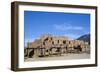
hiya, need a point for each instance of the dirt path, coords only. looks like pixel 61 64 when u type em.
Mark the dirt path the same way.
pixel 63 57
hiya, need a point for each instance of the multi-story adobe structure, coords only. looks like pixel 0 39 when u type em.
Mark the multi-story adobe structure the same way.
pixel 49 45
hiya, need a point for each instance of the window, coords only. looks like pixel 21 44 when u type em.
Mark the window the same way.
pixel 69 42
pixel 58 41
pixel 43 43
pixel 64 42
pixel 53 42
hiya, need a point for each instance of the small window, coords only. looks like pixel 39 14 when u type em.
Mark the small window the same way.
pixel 58 41
pixel 53 43
pixel 51 38
pixel 43 43
pixel 69 42
pixel 46 39
pixel 64 42
pixel 47 51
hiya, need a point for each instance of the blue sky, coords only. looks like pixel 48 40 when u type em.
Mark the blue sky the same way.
pixel 72 25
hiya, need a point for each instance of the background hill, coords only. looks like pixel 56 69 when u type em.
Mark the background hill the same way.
pixel 85 38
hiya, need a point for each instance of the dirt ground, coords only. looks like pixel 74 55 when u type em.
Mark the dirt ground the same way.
pixel 62 57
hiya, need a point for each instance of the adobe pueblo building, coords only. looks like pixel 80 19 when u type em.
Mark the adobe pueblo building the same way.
pixel 49 45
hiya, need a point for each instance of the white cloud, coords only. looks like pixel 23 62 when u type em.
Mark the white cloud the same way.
pixel 64 27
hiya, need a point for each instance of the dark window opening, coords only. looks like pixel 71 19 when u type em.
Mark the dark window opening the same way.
pixel 58 41
pixel 51 38
pixel 47 51
pixel 69 42
pixel 53 43
pixel 43 43
pixel 46 39
pixel 64 42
